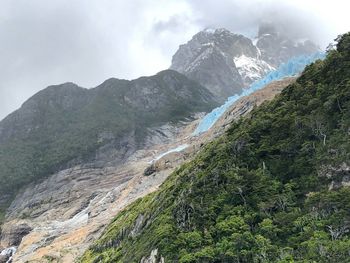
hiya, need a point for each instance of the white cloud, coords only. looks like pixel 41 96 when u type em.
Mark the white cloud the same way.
pixel 87 41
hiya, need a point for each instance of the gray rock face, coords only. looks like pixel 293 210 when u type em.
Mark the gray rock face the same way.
pixel 65 125
pixel 340 174
pixel 208 59
pixel 79 184
pixel 76 203
pixel 226 63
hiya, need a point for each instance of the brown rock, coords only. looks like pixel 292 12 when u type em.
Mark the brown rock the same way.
pixel 12 236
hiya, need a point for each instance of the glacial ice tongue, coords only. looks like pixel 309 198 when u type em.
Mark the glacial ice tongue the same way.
pixel 291 68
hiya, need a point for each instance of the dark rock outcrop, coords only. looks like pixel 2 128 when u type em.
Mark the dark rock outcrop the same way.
pixel 13 235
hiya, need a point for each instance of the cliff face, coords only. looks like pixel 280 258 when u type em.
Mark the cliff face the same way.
pixel 226 63
pixel 65 125
pixel 208 59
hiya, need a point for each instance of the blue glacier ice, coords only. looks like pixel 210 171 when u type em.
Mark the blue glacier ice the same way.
pixel 291 68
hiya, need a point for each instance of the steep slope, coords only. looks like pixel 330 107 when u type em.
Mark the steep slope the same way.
pixel 83 200
pixel 66 125
pixel 58 216
pixel 274 188
pixel 226 63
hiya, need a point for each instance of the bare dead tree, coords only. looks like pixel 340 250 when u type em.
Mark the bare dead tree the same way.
pixel 240 192
pixel 337 233
pixel 320 130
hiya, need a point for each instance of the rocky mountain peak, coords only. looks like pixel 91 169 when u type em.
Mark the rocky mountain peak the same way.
pixel 209 41
pixel 55 92
pixel 209 58
pixel 226 63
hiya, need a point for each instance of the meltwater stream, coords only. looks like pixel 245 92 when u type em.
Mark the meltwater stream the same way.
pixel 177 149
pixel 291 68
pixel 8 253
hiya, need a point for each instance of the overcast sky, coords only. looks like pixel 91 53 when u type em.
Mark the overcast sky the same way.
pixel 87 41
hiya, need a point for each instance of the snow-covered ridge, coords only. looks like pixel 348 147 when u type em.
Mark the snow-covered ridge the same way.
pixel 293 67
pixel 251 69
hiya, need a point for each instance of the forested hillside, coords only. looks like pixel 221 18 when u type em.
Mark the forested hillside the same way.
pixel 274 188
pixel 64 125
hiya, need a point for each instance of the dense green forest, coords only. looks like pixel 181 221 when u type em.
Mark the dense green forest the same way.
pixel 272 189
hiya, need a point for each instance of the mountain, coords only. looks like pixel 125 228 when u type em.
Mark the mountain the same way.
pixel 73 158
pixel 273 188
pixel 66 125
pixel 226 63
pixel 60 216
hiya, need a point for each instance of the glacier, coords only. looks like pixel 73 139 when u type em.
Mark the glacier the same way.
pixel 292 67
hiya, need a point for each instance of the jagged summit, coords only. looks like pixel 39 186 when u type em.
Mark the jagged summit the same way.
pixel 208 59
pixel 226 63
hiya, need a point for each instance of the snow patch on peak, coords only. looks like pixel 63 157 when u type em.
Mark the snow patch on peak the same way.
pixel 209 30
pixel 209 44
pixel 251 69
